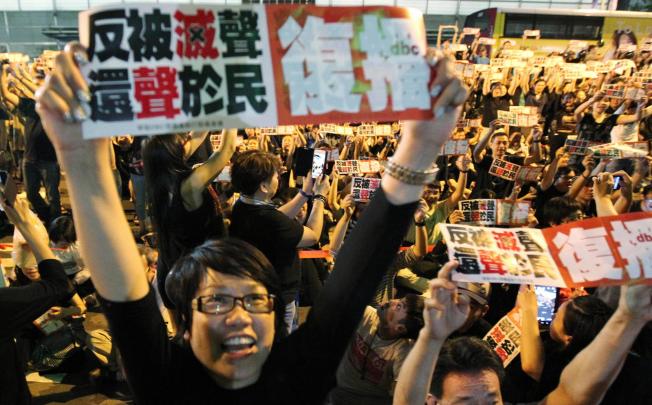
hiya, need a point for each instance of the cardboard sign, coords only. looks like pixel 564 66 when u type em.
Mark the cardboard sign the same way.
pixel 490 212
pixel 280 130
pixel 532 33
pixel 520 116
pixel 161 68
pixel 505 337
pixel 598 251
pixel 456 147
pixel 357 166
pixel 363 188
pixel 621 150
pixel 335 129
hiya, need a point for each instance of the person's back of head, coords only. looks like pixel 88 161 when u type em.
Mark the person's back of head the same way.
pixel 466 368
pixel 559 210
pixel 62 229
pixel 584 318
pixel 252 168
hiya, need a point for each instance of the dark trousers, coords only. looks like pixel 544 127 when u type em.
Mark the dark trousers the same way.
pixel 47 173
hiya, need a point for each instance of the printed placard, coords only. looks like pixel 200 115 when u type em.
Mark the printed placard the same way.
pixel 161 68
pixel 216 141
pixel 642 78
pixel 336 129
pixel 363 188
pixel 621 150
pixel 490 212
pixel 597 66
pixel 374 130
pixel 505 337
pixel 478 211
pixel 504 169
pixel 532 33
pixel 487 41
pixel 470 31
pixel 613 91
pixel 456 147
pixel 469 123
pixel 501 255
pixel 598 251
pixel 577 146
pixel 357 166
pixel 529 173
pixel 517 54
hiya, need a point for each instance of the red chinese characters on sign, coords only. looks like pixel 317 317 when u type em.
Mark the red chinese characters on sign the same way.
pixel 492 262
pixel 197 34
pixel 156 90
pixel 506 241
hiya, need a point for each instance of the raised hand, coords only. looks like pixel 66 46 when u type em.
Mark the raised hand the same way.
pixel 421 212
pixel 445 311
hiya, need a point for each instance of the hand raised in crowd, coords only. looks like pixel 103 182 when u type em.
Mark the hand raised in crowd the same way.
pixel 496 124
pixel 532 221
pixel 348 204
pixel 450 93
pixel 463 162
pixel 308 184
pixel 588 162
pixel 527 299
pixel 562 157
pixel 322 185
pixel 603 185
pixel 24 219
pixel 446 310
pixel 421 211
pixel 63 101
pixel 636 302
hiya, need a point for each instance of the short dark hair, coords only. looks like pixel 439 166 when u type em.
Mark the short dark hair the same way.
pixel 559 208
pixel 498 133
pixel 251 168
pixel 227 256
pixel 584 319
pixel 464 355
pixel 62 229
pixel 414 320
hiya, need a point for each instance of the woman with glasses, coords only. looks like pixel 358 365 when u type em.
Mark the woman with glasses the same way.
pixel 229 352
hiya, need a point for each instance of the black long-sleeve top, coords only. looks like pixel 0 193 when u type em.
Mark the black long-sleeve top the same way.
pixel 301 367
pixel 19 306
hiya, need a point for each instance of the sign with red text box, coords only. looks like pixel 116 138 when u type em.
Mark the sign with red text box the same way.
pixel 161 68
pixel 505 337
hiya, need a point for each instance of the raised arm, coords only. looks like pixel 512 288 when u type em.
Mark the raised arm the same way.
pixel 444 312
pixel 534 155
pixel 462 163
pixel 532 355
pixel 371 247
pixel 549 174
pixel 589 163
pixel 481 147
pixel 9 97
pixel 348 205
pixel 99 219
pixel 579 111
pixel 602 187
pixel 192 188
pixel 313 228
pixel 581 381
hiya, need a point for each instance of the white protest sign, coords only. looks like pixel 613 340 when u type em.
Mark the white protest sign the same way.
pixel 161 68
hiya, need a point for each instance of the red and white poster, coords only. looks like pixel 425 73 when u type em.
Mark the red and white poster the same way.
pixel 505 337
pixel 593 252
pixel 161 68
pixel 363 188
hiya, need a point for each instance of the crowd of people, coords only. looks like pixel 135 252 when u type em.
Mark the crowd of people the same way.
pixel 230 246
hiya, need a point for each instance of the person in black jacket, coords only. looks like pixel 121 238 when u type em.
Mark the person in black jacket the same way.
pixel 20 306
pixel 229 351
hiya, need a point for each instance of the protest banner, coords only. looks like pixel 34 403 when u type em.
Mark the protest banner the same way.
pixel 456 147
pixel 529 173
pixel 597 66
pixel 469 123
pixel 486 41
pixel 613 91
pixel 517 54
pixel 335 129
pixel 504 169
pixel 491 212
pixel 161 68
pixel 621 150
pixel 280 130
pixel 519 116
pixel 363 188
pixel 357 166
pixel 373 130
pixel 577 146
pixel 216 141
pixel 532 34
pixel 505 337
pixel 598 251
